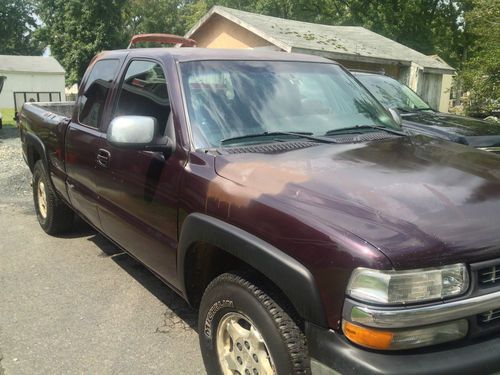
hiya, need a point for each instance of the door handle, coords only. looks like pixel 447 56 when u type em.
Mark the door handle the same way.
pixel 103 157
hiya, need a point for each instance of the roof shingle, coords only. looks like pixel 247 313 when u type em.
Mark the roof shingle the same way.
pixel 341 41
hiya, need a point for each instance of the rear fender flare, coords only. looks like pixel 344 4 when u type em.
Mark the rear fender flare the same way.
pixel 36 144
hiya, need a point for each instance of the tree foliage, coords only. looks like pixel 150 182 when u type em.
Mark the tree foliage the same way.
pixel 481 71
pixel 428 26
pixel 78 29
pixel 153 16
pixel 17 24
pixel 465 33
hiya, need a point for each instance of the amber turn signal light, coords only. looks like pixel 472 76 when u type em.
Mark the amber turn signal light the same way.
pixel 367 337
pixel 409 338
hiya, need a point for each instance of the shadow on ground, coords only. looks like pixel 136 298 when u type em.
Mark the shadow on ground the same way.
pixel 8 132
pixel 175 304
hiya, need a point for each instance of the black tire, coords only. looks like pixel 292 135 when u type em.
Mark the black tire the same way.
pixel 58 218
pixel 281 330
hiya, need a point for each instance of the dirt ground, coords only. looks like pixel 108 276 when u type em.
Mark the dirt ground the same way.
pixel 77 304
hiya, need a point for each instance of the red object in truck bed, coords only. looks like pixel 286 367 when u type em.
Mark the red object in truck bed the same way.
pixel 162 38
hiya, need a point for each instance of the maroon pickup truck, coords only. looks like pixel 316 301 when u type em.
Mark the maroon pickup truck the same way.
pixel 273 192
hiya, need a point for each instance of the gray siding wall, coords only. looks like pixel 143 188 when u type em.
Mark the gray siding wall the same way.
pixel 29 82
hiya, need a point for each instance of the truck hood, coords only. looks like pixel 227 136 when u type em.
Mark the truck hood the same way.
pixel 466 130
pixel 421 201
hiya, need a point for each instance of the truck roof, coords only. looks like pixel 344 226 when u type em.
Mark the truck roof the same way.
pixel 193 54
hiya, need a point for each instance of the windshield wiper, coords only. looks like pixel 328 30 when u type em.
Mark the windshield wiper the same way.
pixel 360 127
pixel 306 135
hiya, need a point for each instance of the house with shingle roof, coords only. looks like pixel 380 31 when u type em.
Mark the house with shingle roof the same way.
pixel 30 78
pixel 353 46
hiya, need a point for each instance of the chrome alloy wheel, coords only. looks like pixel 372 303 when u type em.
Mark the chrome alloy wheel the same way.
pixel 42 199
pixel 241 348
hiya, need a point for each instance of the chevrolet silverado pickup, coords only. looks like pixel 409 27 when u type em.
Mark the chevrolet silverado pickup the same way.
pixel 273 192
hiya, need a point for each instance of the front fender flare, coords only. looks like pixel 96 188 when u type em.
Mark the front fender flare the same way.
pixel 293 278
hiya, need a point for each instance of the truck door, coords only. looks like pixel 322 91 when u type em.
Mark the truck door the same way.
pixel 85 140
pixel 138 192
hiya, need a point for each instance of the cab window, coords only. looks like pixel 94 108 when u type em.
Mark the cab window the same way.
pixel 91 102
pixel 144 92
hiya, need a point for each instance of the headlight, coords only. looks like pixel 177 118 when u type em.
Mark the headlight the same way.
pixel 400 287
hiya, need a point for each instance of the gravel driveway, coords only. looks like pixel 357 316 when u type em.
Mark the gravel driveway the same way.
pixel 77 304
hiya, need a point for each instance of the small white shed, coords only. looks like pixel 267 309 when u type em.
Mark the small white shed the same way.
pixel 30 78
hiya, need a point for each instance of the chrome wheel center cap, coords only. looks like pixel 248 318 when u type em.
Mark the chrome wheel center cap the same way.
pixel 241 348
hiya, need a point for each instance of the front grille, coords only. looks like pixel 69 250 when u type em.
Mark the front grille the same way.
pixel 489 276
pixel 487 280
pixel 489 316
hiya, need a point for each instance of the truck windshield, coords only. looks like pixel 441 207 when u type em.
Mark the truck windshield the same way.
pixel 391 93
pixel 228 99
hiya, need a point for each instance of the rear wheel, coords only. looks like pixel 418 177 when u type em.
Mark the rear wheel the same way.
pixel 245 331
pixel 52 213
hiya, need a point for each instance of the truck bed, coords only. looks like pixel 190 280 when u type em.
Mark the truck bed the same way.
pixel 52 112
pixel 43 126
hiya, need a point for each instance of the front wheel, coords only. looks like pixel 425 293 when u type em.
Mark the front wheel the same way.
pixel 52 213
pixel 245 331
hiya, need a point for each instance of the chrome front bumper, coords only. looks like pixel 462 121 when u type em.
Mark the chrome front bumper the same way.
pixel 405 317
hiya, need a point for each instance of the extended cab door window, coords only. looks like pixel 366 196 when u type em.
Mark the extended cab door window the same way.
pixel 85 141
pixel 91 102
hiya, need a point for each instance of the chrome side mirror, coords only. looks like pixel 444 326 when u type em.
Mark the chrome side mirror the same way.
pixel 138 133
pixel 132 131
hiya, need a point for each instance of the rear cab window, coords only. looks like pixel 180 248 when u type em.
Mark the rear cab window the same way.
pixel 95 92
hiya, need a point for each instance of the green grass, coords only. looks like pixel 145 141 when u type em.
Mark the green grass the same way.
pixel 8 116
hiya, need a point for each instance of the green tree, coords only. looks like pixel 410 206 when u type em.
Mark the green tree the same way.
pixel 78 29
pixel 428 26
pixel 319 11
pixel 481 72
pixel 17 24
pixel 153 16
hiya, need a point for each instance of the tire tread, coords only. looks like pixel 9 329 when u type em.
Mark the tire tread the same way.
pixel 289 325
